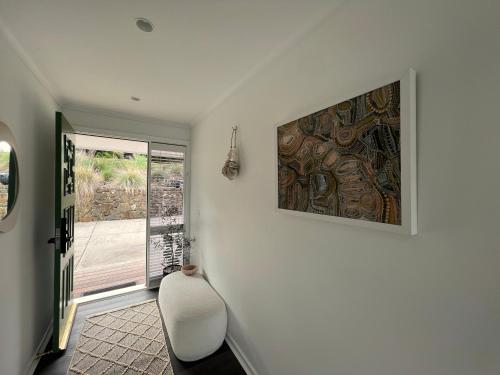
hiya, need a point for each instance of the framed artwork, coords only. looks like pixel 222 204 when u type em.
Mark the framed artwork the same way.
pixel 353 162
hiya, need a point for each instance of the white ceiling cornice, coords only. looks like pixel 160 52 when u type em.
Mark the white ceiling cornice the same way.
pixel 126 116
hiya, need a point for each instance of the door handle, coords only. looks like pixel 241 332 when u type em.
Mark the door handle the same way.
pixel 61 236
pixel 64 237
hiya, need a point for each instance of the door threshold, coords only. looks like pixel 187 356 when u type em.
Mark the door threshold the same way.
pixel 108 294
pixel 64 337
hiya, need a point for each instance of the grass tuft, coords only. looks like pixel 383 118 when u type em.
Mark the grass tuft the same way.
pixel 93 169
pixel 132 179
pixel 87 179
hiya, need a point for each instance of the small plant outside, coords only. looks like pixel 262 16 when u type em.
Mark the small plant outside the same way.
pixel 173 243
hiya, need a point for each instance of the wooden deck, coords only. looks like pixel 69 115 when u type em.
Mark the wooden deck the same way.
pixel 108 278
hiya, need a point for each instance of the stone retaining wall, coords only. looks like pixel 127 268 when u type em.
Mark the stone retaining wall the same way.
pixel 114 203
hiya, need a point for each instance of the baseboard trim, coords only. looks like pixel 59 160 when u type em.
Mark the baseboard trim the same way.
pixel 240 356
pixel 31 367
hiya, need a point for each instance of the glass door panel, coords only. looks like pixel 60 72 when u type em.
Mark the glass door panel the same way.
pixel 166 210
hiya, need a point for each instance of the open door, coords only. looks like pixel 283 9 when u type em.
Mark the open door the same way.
pixel 64 309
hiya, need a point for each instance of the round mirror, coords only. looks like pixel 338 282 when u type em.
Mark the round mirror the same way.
pixel 9 178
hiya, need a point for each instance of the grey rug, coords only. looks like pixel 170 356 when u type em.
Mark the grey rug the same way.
pixel 126 341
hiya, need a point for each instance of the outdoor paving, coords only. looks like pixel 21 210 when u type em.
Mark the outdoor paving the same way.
pixel 108 254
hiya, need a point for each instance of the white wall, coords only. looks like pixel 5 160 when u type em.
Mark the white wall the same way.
pixel 26 260
pixel 310 297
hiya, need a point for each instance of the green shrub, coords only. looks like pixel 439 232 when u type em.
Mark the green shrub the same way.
pixel 103 164
pixel 108 154
pixel 108 174
pixel 93 169
pixel 140 161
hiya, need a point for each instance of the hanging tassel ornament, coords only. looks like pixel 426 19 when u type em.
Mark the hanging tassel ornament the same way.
pixel 232 165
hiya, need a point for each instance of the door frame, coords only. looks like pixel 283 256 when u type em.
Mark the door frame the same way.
pixel 149 139
pixel 64 306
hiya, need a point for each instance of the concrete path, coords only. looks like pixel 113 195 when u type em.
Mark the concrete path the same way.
pixel 109 253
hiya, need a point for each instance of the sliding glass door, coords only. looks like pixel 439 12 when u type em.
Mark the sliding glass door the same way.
pixel 167 213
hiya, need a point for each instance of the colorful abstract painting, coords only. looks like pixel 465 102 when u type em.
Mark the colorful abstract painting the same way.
pixel 345 160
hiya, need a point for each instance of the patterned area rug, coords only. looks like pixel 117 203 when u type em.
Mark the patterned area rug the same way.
pixel 126 341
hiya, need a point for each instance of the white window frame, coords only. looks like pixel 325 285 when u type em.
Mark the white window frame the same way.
pixel 152 140
pixel 186 196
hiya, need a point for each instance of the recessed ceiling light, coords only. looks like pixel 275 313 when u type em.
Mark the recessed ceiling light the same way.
pixel 144 24
pixel 135 98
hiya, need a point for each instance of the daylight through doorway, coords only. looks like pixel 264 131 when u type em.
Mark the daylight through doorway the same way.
pixel 110 214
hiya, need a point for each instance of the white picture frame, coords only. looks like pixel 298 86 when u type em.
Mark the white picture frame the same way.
pixel 408 144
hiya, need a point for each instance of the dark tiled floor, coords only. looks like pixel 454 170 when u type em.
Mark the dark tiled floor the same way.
pixel 222 362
